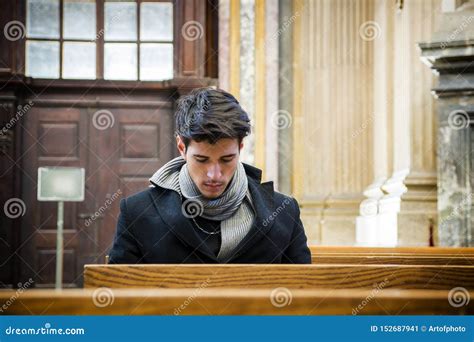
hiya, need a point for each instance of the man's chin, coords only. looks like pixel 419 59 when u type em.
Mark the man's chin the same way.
pixel 211 195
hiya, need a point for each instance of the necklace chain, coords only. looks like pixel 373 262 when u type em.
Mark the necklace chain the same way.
pixel 202 229
pixel 205 231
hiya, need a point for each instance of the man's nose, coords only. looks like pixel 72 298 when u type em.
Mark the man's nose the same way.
pixel 214 172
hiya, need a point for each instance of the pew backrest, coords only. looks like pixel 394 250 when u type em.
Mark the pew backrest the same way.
pixel 335 276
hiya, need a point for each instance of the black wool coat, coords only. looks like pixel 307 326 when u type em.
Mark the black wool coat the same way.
pixel 151 228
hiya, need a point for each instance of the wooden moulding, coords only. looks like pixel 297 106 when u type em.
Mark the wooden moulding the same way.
pixel 207 301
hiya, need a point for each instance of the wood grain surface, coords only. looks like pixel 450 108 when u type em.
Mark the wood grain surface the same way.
pixel 292 276
pixel 208 301
pixel 395 256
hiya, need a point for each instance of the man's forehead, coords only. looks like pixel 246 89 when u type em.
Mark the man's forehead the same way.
pixel 223 147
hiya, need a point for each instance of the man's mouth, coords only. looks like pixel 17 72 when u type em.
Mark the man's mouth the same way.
pixel 213 187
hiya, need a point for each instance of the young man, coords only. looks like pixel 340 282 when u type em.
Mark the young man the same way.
pixel 206 206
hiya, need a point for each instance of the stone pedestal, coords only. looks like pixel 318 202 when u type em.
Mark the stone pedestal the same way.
pixel 451 55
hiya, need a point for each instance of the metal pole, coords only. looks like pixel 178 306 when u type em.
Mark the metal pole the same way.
pixel 59 246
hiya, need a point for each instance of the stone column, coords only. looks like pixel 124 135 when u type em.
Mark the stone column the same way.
pixel 401 204
pixel 333 115
pixel 450 54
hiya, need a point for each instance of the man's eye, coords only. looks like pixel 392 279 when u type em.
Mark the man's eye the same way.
pixel 201 160
pixel 227 160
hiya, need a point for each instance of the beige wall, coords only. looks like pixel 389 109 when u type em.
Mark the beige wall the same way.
pixel 332 131
pixel 365 117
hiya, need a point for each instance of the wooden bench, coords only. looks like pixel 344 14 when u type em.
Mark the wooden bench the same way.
pixel 291 276
pixel 229 302
pixel 395 256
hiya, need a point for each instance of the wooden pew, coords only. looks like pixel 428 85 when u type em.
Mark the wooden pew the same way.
pixel 229 302
pixel 394 256
pixel 394 250
pixel 290 276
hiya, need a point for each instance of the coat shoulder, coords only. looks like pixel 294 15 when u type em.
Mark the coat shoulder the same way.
pixel 140 198
pixel 284 200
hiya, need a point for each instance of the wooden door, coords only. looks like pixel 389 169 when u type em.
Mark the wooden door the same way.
pixel 119 148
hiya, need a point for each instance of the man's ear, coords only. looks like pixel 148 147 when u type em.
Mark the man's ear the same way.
pixel 241 146
pixel 181 146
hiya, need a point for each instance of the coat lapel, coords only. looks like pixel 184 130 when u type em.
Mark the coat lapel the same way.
pixel 168 204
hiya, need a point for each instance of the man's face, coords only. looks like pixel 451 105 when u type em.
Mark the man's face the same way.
pixel 211 166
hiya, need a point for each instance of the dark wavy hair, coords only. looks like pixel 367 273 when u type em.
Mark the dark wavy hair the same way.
pixel 208 114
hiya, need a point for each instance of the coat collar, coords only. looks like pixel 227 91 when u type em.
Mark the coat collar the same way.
pixel 168 204
pixel 253 172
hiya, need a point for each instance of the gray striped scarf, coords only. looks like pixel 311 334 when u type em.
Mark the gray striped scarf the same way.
pixel 233 208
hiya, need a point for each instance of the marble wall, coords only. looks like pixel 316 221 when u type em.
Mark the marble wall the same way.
pixel 450 53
